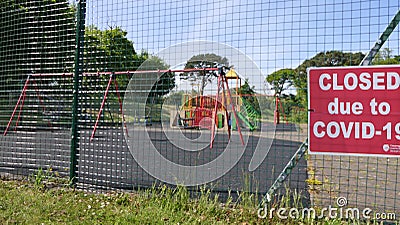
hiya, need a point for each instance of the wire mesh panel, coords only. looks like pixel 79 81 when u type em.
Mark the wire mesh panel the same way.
pixel 194 112
pixel 183 92
pixel 283 39
pixel 37 37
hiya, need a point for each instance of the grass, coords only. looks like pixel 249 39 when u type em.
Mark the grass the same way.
pixel 23 203
pixel 33 202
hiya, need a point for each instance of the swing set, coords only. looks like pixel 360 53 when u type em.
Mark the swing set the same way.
pixel 222 89
pixel 21 100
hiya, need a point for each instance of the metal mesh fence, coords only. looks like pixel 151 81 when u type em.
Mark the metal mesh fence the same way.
pixel 37 37
pixel 146 77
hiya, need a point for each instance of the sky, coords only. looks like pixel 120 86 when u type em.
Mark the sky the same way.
pixel 275 34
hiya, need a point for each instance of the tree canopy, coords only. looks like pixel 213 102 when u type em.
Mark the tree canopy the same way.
pixel 39 37
pixel 329 58
pixel 248 94
pixel 36 37
pixel 298 76
pixel 209 60
pixel 281 80
pixel 110 50
pixel 384 57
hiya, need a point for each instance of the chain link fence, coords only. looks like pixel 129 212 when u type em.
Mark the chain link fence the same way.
pixel 128 94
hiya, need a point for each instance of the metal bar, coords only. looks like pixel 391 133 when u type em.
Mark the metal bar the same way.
pixel 226 110
pixel 276 113
pixel 20 111
pixel 16 105
pixel 123 72
pixel 287 169
pixel 52 74
pixel 233 109
pixel 382 39
pixel 80 33
pixel 120 106
pixel 101 107
pixel 148 71
pixel 214 117
pixel 283 112
pixel 38 95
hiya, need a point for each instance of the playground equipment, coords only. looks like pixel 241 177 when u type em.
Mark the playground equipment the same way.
pixel 222 84
pixel 112 78
pixel 211 112
pixel 21 100
pixel 196 111
pixel 278 111
pixel 30 79
pixel 249 115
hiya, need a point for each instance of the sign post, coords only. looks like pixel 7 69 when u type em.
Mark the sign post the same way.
pixel 354 110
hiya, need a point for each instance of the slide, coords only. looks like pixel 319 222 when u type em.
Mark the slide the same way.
pixel 246 121
pixel 249 113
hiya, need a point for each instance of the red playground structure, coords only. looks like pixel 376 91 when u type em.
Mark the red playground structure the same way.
pixel 203 116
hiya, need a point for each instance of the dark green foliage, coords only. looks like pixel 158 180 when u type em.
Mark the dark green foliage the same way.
pixel 111 51
pixel 165 80
pixel 108 50
pixel 384 57
pixel 249 95
pixel 209 60
pixel 330 58
pixel 281 80
pixel 296 105
pixel 36 37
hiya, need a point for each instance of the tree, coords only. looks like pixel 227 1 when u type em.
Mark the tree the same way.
pixel 280 80
pixel 248 94
pixel 166 81
pixel 209 60
pixel 35 37
pixel 330 58
pixel 298 78
pixel 110 50
pixel 384 57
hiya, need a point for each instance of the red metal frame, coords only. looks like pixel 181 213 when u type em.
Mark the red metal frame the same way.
pixel 278 105
pixel 220 84
pixel 112 77
pixel 22 97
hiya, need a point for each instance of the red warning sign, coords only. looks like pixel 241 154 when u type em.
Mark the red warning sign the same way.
pixel 354 110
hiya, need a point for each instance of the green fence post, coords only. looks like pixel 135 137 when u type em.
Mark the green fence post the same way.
pixel 382 39
pixel 80 32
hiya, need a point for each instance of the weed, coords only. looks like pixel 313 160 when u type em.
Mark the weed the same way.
pixel 38 178
pixel 45 178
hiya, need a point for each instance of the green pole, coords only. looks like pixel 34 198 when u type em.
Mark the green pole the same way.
pixel 382 39
pixel 80 32
pixel 287 170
